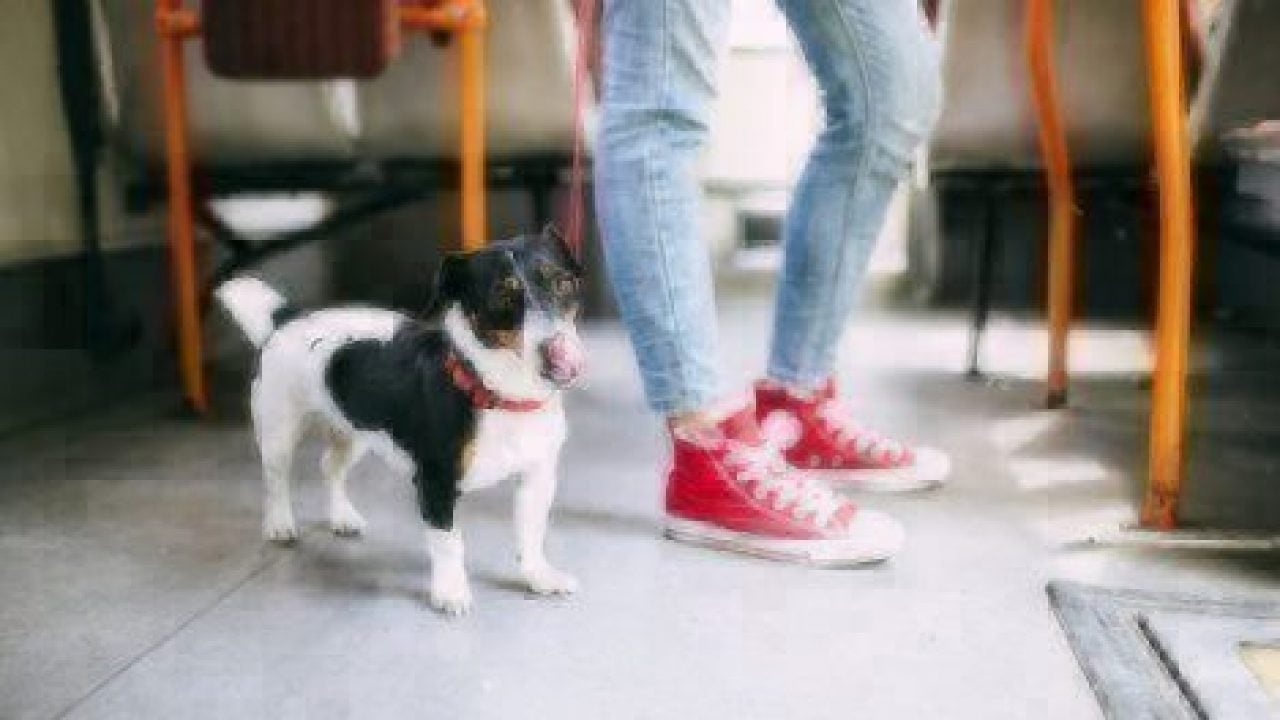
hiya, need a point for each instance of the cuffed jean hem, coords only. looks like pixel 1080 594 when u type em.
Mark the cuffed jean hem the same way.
pixel 798 380
pixel 682 403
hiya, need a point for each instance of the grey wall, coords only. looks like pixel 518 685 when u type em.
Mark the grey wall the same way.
pixel 37 217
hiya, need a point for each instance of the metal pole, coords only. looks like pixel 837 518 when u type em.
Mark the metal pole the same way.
pixel 182 245
pixel 472 109
pixel 1039 46
pixel 1173 313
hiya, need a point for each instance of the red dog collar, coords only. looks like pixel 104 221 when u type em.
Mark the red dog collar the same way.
pixel 482 397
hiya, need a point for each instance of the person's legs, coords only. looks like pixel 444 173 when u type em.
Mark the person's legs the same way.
pixel 876 67
pixel 659 66
pixel 725 488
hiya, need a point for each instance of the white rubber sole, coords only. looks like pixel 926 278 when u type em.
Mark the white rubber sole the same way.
pixel 930 471
pixel 873 537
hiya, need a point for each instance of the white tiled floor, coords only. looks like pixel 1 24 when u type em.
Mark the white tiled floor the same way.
pixel 135 584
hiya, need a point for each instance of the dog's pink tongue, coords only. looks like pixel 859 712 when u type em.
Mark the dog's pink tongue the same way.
pixel 564 357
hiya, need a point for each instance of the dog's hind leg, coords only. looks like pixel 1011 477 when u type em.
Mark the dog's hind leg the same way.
pixel 343 453
pixel 278 427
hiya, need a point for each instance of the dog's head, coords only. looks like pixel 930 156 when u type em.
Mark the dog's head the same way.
pixel 520 295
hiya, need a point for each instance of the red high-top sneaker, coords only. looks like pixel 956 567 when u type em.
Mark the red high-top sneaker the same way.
pixel 819 437
pixel 728 490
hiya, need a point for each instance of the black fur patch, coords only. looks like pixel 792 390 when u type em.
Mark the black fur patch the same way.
pixel 284 314
pixel 400 387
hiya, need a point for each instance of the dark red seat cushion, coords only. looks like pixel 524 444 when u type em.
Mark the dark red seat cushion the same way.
pixel 299 39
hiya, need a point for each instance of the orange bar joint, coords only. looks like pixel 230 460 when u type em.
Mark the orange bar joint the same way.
pixel 180 23
pixel 453 16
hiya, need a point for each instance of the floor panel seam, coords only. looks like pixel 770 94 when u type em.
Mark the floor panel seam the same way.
pixel 167 637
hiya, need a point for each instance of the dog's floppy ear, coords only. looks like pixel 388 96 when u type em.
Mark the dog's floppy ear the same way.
pixel 553 238
pixel 451 281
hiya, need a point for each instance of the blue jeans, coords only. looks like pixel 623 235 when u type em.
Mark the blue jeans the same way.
pixel 876 67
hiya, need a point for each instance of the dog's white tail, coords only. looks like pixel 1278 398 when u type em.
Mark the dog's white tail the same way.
pixel 253 305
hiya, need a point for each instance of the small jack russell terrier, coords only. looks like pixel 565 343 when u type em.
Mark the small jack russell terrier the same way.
pixel 465 396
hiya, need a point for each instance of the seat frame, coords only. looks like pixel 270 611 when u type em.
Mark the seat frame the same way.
pixel 1173 45
pixel 375 189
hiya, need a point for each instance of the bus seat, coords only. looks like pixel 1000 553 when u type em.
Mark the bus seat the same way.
pixel 231 122
pixel 987 121
pixel 1238 89
pixel 407 113
pixel 530 96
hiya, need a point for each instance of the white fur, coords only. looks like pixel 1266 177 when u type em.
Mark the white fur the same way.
pixel 525 445
pixel 251 303
pixel 449 592
pixel 514 374
pixel 532 506
pixel 290 394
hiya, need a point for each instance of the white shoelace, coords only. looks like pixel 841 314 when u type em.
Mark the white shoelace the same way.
pixel 865 442
pixel 763 466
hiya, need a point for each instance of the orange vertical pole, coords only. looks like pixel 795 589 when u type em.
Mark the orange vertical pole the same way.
pixel 1173 311
pixel 182 246
pixel 472 109
pixel 1039 46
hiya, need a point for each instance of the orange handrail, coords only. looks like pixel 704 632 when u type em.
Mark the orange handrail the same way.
pixel 183 263
pixel 1039 46
pixel 469 20
pixel 1177 241
pixel 471 106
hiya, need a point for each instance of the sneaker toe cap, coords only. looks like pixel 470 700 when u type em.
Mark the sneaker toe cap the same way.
pixel 875 535
pixel 932 466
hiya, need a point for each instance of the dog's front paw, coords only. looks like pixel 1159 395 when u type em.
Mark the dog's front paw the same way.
pixel 346 521
pixel 279 527
pixel 450 595
pixel 546 580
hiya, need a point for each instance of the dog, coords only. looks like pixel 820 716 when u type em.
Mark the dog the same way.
pixel 463 396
